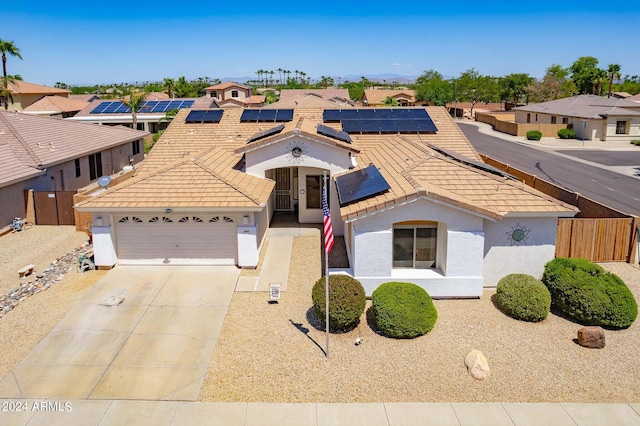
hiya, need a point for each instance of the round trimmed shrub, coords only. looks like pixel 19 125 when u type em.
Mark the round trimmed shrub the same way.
pixel 346 301
pixel 566 134
pixel 534 135
pixel 403 310
pixel 523 297
pixel 585 292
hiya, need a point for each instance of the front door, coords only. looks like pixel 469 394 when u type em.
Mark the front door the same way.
pixel 283 189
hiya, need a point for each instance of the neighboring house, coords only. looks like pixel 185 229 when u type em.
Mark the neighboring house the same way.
pixel 25 94
pixel 229 94
pixel 333 94
pixel 621 95
pixel 56 106
pixel 592 117
pixel 376 97
pixel 634 98
pixel 407 191
pixel 47 154
pixel 311 100
pixel 88 97
pixel 150 118
pixel 464 109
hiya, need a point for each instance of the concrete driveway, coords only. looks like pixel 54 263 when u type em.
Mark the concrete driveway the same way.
pixel 143 332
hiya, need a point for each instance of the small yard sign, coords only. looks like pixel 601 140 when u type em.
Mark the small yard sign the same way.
pixel 274 291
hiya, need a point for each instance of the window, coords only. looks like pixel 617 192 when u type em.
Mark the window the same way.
pixel 414 246
pixel 528 118
pixel 553 119
pixel 95 166
pixel 78 170
pixel 135 146
pixel 234 93
pixel 565 120
pixel 314 192
pixel 621 127
pixel 536 117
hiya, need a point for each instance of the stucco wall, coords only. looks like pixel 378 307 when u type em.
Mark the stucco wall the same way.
pixel 503 257
pixel 633 129
pixel 12 204
pixel 460 243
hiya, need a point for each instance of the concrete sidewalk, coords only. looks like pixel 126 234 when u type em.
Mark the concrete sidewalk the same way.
pixel 119 412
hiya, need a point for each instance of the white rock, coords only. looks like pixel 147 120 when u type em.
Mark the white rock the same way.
pixel 477 365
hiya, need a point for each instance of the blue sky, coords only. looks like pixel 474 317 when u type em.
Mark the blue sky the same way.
pixel 122 41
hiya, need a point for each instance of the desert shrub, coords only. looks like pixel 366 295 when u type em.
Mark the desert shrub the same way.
pixel 403 310
pixel 636 142
pixel 585 292
pixel 534 135
pixel 346 301
pixel 566 134
pixel 523 297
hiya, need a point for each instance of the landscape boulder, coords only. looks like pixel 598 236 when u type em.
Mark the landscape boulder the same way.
pixel 591 337
pixel 477 365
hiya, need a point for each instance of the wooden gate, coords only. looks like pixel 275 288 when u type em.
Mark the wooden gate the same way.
pixel 597 240
pixel 54 207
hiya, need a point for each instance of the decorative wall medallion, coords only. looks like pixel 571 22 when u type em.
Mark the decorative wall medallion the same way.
pixel 296 151
pixel 518 235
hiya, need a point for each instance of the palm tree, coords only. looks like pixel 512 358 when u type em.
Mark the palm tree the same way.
pixel 169 83
pixel 10 48
pixel 614 73
pixel 135 102
pixel 5 92
pixel 280 75
pixel 296 73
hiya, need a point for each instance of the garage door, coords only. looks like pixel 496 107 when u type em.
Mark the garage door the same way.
pixel 183 240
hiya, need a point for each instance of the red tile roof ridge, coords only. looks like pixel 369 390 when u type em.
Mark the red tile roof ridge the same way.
pixel 36 160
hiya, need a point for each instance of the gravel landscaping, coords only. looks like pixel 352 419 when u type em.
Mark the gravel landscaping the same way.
pixel 273 353
pixel 22 328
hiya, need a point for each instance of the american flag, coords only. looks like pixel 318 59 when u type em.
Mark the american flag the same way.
pixel 328 228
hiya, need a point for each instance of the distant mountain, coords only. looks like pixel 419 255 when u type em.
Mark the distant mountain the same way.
pixel 389 77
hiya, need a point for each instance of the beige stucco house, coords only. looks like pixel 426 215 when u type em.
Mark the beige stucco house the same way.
pixel 376 97
pixel 25 94
pixel 408 194
pixel 49 154
pixel 229 94
pixel 591 117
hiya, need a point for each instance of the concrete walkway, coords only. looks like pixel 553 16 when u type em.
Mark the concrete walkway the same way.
pixel 158 413
pixel 142 332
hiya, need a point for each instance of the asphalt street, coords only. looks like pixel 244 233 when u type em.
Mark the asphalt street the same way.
pixel 607 187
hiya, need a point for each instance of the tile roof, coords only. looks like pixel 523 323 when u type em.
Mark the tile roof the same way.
pixel 634 98
pixel 225 85
pixel 202 102
pixel 309 100
pixel 323 93
pixel 377 96
pixel 191 164
pixel 87 97
pixel 55 104
pixel 585 106
pixel 38 142
pixel 19 87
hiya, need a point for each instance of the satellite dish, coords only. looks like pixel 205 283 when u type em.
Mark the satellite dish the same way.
pixel 104 181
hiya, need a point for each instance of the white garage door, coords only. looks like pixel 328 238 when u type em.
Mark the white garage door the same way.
pixel 185 240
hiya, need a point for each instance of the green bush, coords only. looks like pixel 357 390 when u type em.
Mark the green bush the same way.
pixel 636 142
pixel 523 297
pixel 566 134
pixel 585 292
pixel 346 301
pixel 403 310
pixel 534 135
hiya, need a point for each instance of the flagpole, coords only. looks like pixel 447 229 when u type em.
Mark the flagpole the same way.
pixel 326 272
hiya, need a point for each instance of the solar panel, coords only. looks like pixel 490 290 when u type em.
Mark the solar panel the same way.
pixel 426 126
pixel 388 126
pixel 98 110
pixel 419 114
pixel 249 115
pixel 333 133
pixel 351 126
pixel 284 115
pixel 384 113
pixel 350 114
pixel 267 115
pixel 266 133
pixel 331 115
pixel 122 108
pixel 204 116
pixel 112 107
pixel 360 184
